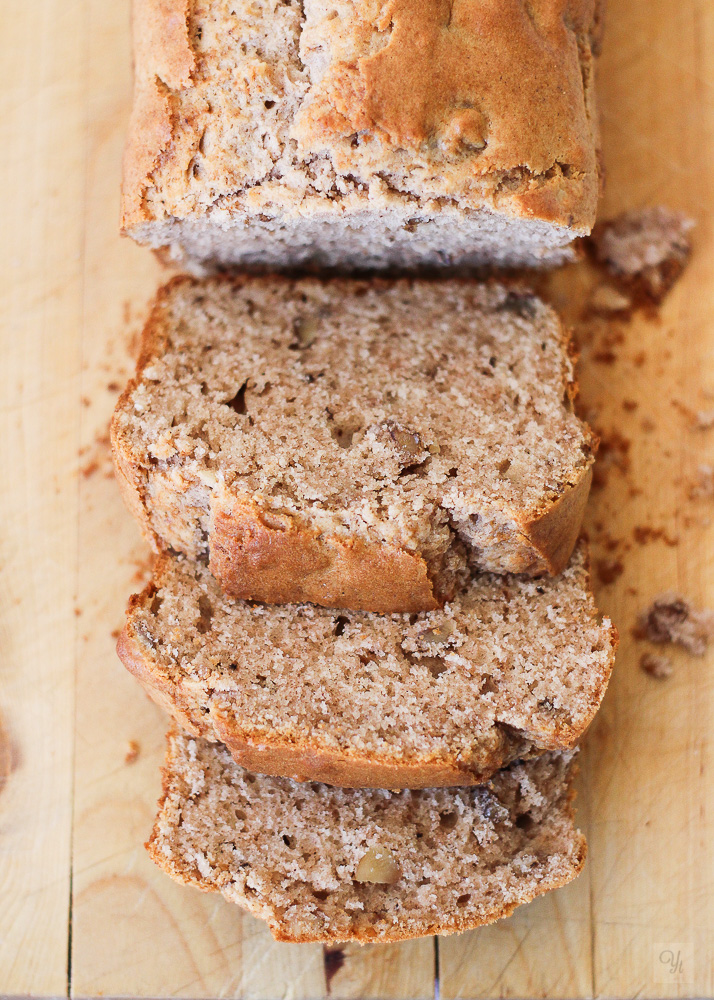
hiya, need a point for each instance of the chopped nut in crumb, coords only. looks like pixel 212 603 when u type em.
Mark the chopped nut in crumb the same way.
pixel 305 329
pixel 670 618
pixel 407 443
pixel 378 866
pixel 656 665
pixel 132 752
pixel 438 634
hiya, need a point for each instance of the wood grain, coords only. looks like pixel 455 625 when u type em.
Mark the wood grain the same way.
pixel 652 786
pixel 77 802
pixel 42 130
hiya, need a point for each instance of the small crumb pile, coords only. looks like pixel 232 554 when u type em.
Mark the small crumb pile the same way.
pixel 671 619
pixel 646 249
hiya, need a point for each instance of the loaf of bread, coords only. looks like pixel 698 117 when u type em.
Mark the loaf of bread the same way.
pixel 354 444
pixel 329 864
pixel 510 668
pixel 363 133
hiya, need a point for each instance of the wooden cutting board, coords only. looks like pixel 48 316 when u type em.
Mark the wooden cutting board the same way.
pixel 82 910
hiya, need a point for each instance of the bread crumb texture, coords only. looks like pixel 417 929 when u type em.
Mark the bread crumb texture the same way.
pixel 510 668
pixel 293 429
pixel 328 864
pixel 363 131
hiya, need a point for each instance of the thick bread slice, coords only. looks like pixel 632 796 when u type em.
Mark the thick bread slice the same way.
pixel 363 134
pixel 510 668
pixel 354 444
pixel 298 855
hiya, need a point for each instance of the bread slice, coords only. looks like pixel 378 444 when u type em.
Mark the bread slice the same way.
pixel 329 864
pixel 510 668
pixel 361 134
pixel 355 444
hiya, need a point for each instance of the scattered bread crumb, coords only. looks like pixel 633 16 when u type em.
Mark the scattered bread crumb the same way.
pixel 704 420
pixel 643 534
pixel 613 452
pixel 143 566
pixel 101 458
pixel 90 468
pixel 670 618
pixel 608 299
pixel 605 357
pixel 132 753
pixel 6 755
pixel 646 249
pixel 704 486
pixel 656 665
pixel 608 570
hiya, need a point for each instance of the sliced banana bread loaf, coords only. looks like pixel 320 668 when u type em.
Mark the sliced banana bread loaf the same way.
pixel 510 668
pixel 355 444
pixel 329 864
pixel 363 133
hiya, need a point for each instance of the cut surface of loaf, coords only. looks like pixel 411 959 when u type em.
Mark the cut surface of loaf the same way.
pixel 510 668
pixel 363 133
pixel 354 444
pixel 328 864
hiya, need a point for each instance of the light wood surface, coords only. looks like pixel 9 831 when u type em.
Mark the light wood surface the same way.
pixel 82 910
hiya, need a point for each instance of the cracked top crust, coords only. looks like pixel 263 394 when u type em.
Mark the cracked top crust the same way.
pixel 300 107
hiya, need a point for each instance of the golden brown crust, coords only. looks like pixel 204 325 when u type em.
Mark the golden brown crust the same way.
pixel 163 61
pixel 554 534
pixel 127 471
pixel 493 87
pixel 301 763
pixel 131 484
pixel 157 686
pixel 491 104
pixel 287 563
pixel 282 563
